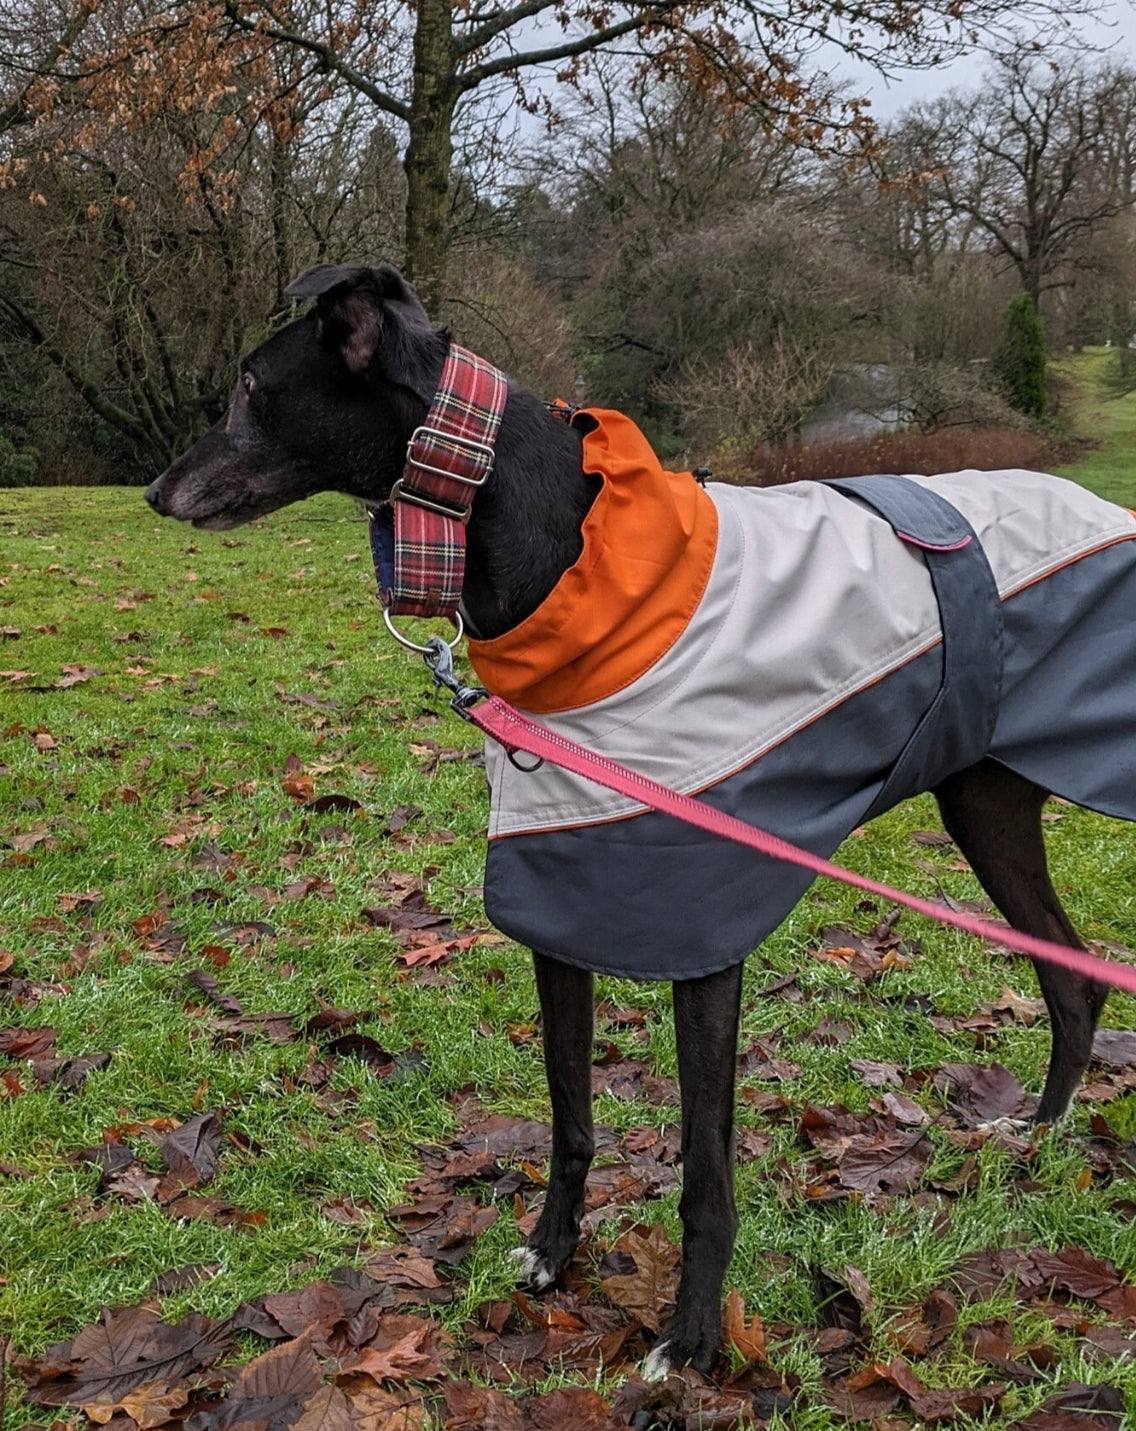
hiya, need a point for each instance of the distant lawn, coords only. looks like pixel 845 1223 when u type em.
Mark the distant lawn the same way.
pixel 1092 411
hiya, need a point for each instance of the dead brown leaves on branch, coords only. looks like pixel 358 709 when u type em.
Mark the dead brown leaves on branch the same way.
pixel 230 67
pixel 140 70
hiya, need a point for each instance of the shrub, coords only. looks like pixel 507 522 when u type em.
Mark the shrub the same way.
pixel 915 453
pixel 17 469
pixel 935 396
pixel 1019 363
pixel 751 394
pixel 497 309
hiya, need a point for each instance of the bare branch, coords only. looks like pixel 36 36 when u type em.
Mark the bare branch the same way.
pixel 118 417
pixel 569 49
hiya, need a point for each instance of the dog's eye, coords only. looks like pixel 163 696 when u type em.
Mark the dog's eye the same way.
pixel 248 382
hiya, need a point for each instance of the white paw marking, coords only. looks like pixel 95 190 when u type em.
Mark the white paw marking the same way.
pixel 658 1366
pixel 532 1270
pixel 1005 1125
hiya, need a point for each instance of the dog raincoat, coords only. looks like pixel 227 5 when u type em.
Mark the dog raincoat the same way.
pixel 802 657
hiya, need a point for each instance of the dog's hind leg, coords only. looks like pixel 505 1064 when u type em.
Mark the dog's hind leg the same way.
pixel 706 1030
pixel 994 816
pixel 566 1015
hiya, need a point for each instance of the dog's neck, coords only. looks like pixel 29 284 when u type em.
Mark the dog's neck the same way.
pixel 524 529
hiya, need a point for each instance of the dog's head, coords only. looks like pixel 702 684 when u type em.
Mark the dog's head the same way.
pixel 326 404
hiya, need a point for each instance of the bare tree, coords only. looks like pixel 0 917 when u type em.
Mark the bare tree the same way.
pixel 1035 161
pixel 751 395
pixel 417 65
pixel 943 296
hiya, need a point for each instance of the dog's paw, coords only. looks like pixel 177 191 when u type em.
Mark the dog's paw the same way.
pixel 674 1351
pixel 534 1268
pixel 1006 1125
pixel 658 1365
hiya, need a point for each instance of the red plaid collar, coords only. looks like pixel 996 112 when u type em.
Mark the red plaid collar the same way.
pixel 418 536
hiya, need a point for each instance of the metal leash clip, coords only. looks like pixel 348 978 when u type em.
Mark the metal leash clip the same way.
pixel 439 656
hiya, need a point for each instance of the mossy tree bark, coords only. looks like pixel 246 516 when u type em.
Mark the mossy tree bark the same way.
pixel 429 154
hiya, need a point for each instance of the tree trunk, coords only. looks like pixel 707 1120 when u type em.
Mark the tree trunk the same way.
pixel 1031 270
pixel 430 152
pixel 280 180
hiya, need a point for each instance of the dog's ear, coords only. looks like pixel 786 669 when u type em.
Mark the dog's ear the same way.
pixel 358 306
pixel 400 299
pixel 320 280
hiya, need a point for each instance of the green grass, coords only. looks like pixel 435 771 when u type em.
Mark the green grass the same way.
pixel 1093 411
pixel 214 661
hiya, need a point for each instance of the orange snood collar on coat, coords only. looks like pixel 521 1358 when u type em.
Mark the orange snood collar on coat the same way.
pixel 649 544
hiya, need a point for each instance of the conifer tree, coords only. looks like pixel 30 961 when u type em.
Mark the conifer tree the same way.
pixel 1019 363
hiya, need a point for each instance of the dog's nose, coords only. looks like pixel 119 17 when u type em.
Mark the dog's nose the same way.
pixel 152 495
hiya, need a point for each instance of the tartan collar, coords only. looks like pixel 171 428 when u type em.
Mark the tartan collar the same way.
pixel 418 534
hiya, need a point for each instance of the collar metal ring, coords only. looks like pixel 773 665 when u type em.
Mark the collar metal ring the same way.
pixel 413 645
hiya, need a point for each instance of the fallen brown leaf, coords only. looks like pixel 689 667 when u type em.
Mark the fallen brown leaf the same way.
pixel 747 1338
pixel 649 1285
pixel 150 1405
pixel 122 1352
pixel 20 1043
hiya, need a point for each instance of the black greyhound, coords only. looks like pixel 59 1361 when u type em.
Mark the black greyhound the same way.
pixel 329 403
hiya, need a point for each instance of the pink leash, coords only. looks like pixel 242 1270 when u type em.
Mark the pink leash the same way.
pixel 516 732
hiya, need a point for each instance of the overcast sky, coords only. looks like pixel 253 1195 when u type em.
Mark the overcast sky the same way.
pixel 1114 29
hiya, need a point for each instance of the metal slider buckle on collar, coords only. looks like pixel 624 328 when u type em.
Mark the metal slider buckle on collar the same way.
pixel 425 442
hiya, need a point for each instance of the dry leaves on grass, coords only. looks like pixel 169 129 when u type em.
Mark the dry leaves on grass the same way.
pixel 393 1370
pixel 745 1335
pixel 1079 1408
pixel 978 1095
pixel 34 1049
pixel 865 1153
pixel 121 1353
pixel 426 934
pixel 365 1351
pixel 189 1153
pixel 868 956
pixel 505 1156
pixel 880 1388
pixel 1046 1280
pixel 640 1274
pixel 328 1029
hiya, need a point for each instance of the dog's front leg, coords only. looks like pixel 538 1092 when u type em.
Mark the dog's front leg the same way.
pixel 566 1013
pixel 706 1030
